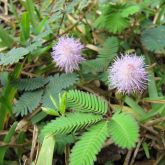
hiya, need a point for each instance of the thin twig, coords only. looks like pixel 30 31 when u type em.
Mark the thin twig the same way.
pixel 2 144
pixel 150 129
pixel 159 159
pixel 34 142
pixel 136 151
pixel 154 122
pixel 128 156
pixel 22 72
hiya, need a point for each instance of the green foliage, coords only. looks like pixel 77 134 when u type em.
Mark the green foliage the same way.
pixel 4 78
pixel 90 143
pixel 71 122
pixel 146 150
pixel 6 38
pixel 94 66
pixel 13 56
pixel 7 139
pixel 27 102
pixel 115 18
pixel 29 84
pixel 8 94
pixel 56 84
pixel 30 29
pixel 124 130
pixel 31 10
pixel 139 111
pixel 25 27
pixel 109 49
pixel 85 102
pixel 153 38
pixel 62 141
pixel 106 55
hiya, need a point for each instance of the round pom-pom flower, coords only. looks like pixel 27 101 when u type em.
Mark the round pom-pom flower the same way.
pixel 128 74
pixel 67 54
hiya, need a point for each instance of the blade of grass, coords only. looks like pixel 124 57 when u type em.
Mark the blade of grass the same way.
pixel 8 94
pixel 146 150
pixel 138 109
pixel 7 139
pixel 6 38
pixel 38 117
pixel 46 152
pixel 152 90
pixel 42 25
pixel 153 113
pixel 13 9
pixel 25 27
pixel 31 10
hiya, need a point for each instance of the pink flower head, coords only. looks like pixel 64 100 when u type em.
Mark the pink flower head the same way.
pixel 67 54
pixel 128 74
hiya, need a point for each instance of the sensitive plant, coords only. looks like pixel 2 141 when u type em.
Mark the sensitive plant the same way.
pixel 103 102
pixel 87 113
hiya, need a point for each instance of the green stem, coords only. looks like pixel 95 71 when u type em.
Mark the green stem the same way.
pixel 8 95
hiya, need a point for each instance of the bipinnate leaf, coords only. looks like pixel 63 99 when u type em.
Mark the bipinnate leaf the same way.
pixel 27 102
pixel 115 17
pixel 29 84
pixel 56 84
pixel 71 122
pixel 124 130
pixel 13 56
pixel 85 102
pixel 153 38
pixel 85 150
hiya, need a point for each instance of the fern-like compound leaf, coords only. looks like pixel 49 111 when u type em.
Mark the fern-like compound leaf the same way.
pixel 56 84
pixel 115 18
pixel 13 56
pixel 106 54
pixel 153 39
pixel 29 84
pixel 110 48
pixel 124 130
pixel 69 123
pixel 85 102
pixel 95 65
pixel 28 102
pixel 85 150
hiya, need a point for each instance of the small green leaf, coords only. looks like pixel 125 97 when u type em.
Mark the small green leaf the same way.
pixel 85 150
pixel 153 38
pixel 13 56
pixel 62 102
pixel 124 130
pixel 110 48
pixel 6 38
pixel 86 102
pixel 29 84
pixel 27 102
pixel 7 139
pixel 71 122
pixel 146 150
pixel 130 10
pixel 50 111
